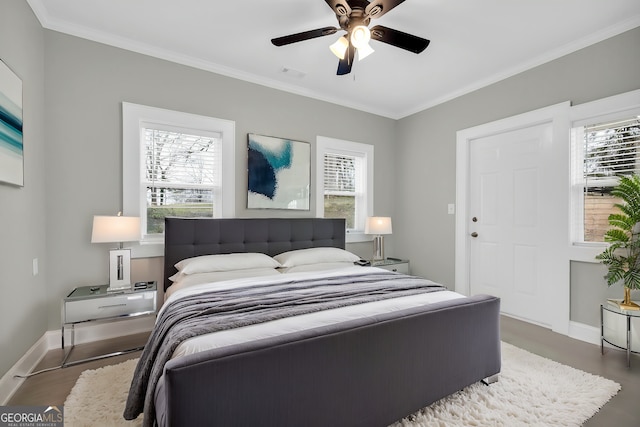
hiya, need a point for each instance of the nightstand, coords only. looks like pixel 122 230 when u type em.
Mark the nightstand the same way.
pixel 618 326
pixel 94 303
pixel 393 264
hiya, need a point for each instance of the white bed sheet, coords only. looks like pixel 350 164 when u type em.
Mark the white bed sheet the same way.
pixel 302 322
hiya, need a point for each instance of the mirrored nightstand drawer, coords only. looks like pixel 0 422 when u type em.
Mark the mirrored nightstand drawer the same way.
pixel 393 264
pixel 129 304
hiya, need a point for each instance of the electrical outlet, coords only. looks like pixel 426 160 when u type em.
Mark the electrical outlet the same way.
pixel 451 209
pixel 34 265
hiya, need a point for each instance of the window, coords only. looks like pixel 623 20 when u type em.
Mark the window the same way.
pixel 175 164
pixel 343 192
pixel 605 144
pixel 181 175
pixel 345 182
pixel 609 149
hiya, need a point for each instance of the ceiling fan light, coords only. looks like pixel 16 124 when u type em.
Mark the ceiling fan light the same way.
pixel 360 36
pixel 339 48
pixel 364 51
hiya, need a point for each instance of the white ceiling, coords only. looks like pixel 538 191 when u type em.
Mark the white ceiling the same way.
pixel 473 43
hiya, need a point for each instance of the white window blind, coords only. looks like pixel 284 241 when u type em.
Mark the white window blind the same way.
pixel 339 174
pixel 610 149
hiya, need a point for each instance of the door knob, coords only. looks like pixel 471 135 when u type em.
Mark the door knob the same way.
pixel 474 234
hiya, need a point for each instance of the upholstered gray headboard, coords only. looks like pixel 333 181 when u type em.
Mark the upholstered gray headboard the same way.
pixel 189 237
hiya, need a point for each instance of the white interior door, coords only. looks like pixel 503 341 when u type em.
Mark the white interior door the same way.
pixel 507 222
pixel 512 175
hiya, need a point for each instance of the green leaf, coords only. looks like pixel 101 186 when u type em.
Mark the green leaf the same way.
pixel 616 235
pixel 622 221
pixel 632 279
pixel 614 275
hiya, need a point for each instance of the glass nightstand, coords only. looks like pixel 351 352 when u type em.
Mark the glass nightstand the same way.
pixel 620 328
pixel 94 303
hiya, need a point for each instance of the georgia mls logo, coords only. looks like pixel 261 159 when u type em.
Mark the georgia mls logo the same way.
pixel 31 416
pixel 53 408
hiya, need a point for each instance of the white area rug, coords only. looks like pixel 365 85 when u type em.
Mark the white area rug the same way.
pixel 532 391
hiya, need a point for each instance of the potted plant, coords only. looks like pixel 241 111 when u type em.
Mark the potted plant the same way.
pixel 622 257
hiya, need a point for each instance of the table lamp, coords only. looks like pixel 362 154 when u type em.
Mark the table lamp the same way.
pixel 378 225
pixel 112 229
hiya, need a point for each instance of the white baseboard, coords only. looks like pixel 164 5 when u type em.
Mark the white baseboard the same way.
pixel 583 332
pixel 84 333
pixel 9 383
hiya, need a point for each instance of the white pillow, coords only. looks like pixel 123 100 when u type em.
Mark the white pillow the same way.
pixel 314 256
pixel 323 266
pixel 225 262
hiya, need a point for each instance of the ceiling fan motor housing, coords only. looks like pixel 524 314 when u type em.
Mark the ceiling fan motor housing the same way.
pixel 354 16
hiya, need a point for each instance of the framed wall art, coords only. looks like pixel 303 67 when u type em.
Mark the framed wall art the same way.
pixel 279 173
pixel 11 148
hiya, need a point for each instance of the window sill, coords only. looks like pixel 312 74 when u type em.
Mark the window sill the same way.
pixel 148 249
pixel 586 252
pixel 357 237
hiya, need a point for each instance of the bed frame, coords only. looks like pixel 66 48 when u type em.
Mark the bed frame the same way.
pixel 366 372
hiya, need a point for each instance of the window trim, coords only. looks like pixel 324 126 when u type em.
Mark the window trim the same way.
pixel 602 110
pixel 133 117
pixel 332 145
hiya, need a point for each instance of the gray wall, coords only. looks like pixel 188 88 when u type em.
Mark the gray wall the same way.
pixel 24 302
pixel 86 84
pixel 425 160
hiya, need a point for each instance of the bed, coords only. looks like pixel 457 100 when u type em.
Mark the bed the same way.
pixel 365 371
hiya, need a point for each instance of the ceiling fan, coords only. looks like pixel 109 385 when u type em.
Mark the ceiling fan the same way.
pixel 354 17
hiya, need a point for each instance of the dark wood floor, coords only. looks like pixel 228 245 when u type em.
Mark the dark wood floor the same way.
pixel 52 388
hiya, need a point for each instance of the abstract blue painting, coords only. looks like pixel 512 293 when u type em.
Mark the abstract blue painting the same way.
pixel 11 149
pixel 278 173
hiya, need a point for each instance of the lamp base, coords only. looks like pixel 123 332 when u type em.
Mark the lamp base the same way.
pixel 378 248
pixel 119 270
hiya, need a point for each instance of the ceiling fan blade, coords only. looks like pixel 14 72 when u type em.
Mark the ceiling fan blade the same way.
pixel 344 66
pixel 399 39
pixel 305 35
pixel 340 7
pixel 377 8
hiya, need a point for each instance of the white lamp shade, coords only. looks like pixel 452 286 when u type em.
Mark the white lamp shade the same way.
pixel 378 225
pixel 364 51
pixel 339 48
pixel 108 229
